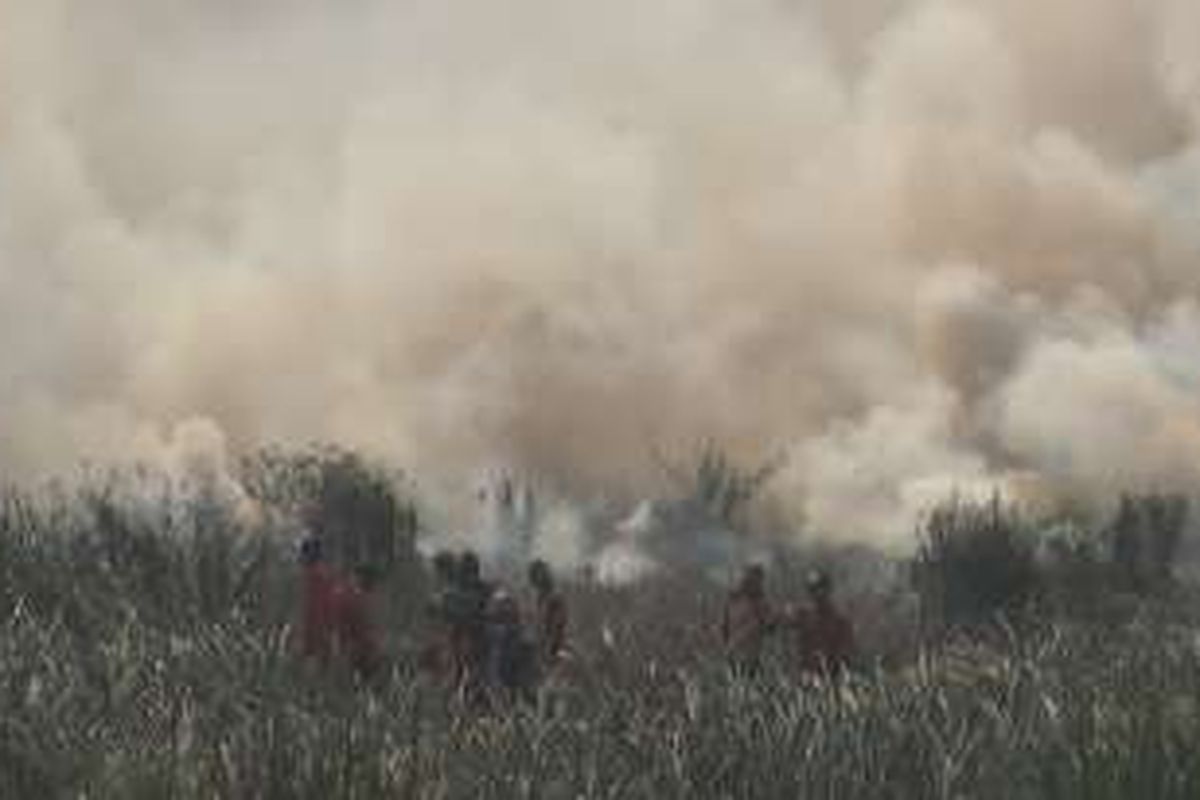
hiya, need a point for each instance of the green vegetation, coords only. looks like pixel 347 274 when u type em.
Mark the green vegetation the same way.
pixel 145 652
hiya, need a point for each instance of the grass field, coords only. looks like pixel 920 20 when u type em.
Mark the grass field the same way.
pixel 147 654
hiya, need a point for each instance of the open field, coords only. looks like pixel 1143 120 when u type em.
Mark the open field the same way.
pixel 155 660
pixel 898 300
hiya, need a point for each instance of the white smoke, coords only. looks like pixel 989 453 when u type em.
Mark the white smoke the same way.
pixel 927 245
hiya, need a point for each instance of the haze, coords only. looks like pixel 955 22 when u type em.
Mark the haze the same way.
pixel 916 246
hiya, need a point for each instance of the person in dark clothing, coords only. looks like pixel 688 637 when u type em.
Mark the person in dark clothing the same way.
pixel 550 622
pixel 510 654
pixel 466 608
pixel 747 622
pixel 827 645
pixel 436 657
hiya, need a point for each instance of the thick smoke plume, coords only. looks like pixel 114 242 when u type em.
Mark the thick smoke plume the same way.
pixel 921 245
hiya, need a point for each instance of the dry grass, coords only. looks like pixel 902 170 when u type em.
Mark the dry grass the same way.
pixel 150 658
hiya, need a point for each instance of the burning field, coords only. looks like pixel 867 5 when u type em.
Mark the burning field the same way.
pixel 907 291
pixel 152 645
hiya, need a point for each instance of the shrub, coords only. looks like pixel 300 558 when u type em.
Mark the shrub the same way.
pixel 1147 533
pixel 355 505
pixel 715 486
pixel 975 562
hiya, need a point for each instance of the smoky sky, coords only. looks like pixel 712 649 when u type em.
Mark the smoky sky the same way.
pixel 915 246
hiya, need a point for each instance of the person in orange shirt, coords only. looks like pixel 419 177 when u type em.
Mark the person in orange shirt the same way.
pixel 827 645
pixel 747 621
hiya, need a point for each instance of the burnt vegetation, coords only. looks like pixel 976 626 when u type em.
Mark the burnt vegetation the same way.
pixel 146 650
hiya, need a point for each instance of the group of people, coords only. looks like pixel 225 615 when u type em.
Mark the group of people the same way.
pixel 824 636
pixel 479 642
pixel 335 619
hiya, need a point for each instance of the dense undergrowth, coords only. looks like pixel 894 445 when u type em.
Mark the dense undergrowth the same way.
pixel 145 652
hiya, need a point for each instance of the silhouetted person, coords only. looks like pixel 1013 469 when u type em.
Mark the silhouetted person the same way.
pixel 510 654
pixel 1127 544
pixel 437 657
pixel 357 636
pixel 747 621
pixel 550 622
pixel 445 573
pixel 1166 519
pixel 467 605
pixel 827 644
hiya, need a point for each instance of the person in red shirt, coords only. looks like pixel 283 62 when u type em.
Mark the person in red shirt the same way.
pixel 318 620
pixel 827 645
pixel 358 640
pixel 747 621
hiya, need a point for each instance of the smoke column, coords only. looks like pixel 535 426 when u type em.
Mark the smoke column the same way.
pixel 919 245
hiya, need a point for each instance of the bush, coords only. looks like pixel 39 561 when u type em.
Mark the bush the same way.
pixel 975 563
pixel 355 505
pixel 173 554
pixel 1147 533
pixel 1077 577
pixel 716 487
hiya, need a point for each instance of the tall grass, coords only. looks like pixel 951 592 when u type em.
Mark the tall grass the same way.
pixel 149 655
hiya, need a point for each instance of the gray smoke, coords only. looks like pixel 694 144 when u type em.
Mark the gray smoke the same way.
pixel 926 246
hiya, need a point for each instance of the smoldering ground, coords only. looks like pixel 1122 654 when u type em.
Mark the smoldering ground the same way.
pixel 918 245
